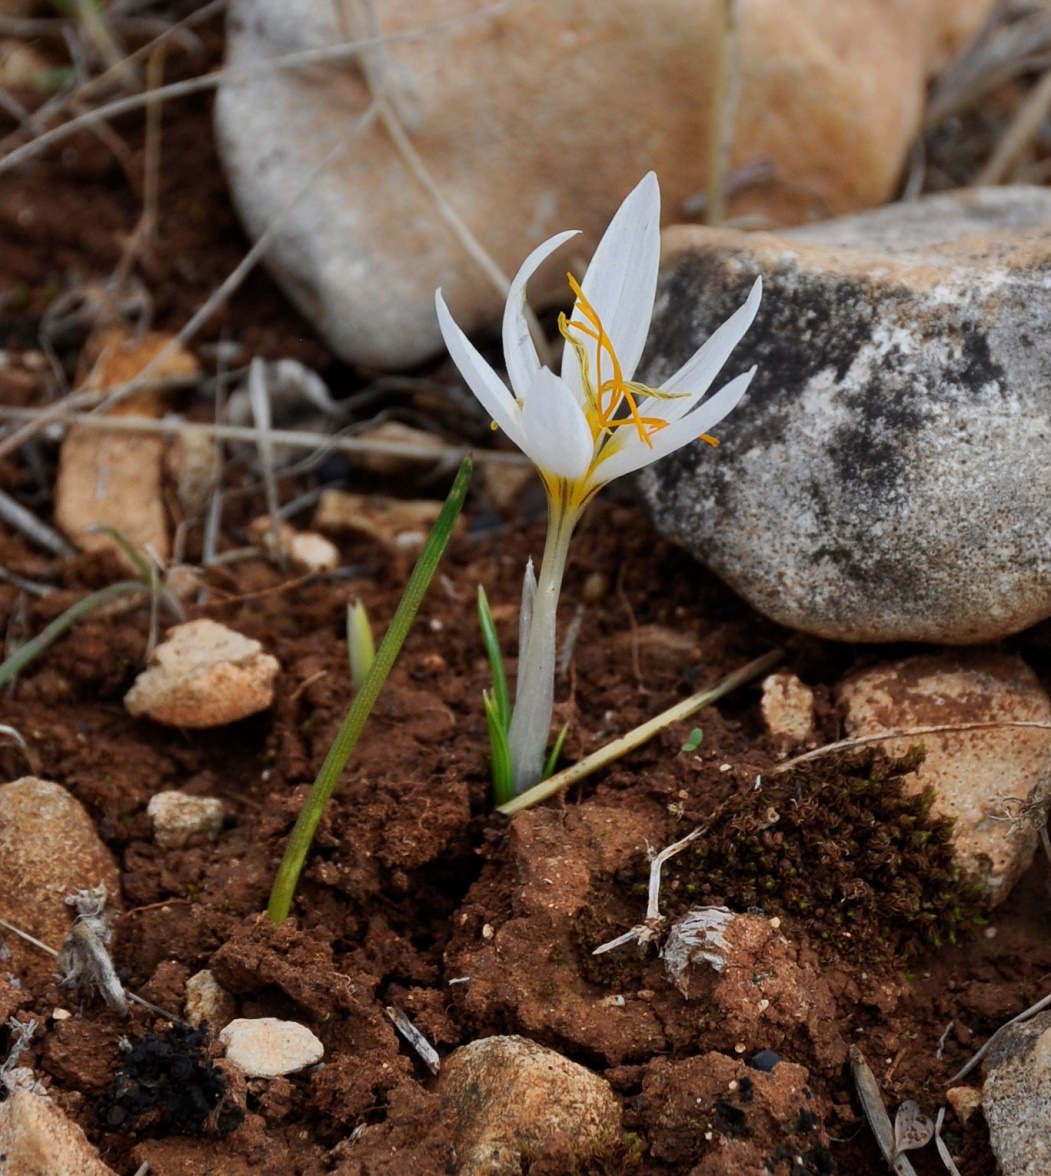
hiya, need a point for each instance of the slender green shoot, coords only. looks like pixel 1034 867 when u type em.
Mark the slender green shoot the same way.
pixel 147 569
pixel 350 731
pixel 556 751
pixel 361 648
pixel 17 662
pixel 635 738
pixel 501 698
pixel 500 765
pixel 497 706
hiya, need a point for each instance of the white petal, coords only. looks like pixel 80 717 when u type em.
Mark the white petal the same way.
pixel 487 386
pixel 697 373
pixel 632 454
pixel 519 353
pixel 558 437
pixel 621 280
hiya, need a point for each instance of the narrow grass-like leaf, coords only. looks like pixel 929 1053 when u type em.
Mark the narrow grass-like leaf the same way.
pixel 499 752
pixel 501 698
pixel 135 557
pixel 556 751
pixel 350 730
pixel 17 662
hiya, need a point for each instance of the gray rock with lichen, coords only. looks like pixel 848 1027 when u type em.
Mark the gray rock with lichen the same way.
pixel 1014 1098
pixel 888 476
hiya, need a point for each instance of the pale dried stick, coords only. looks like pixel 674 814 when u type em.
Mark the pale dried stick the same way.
pixel 15 515
pixel 211 304
pixel 142 235
pixel 259 399
pixel 1024 127
pixel 210 81
pixel 939 1143
pixel 876 1113
pixel 292 439
pixel 1024 1015
pixel 61 101
pixel 905 733
pixel 639 735
pixel 726 86
pixel 1000 53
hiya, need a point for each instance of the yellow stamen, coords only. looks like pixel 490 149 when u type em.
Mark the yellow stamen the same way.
pixel 712 441
pixel 606 397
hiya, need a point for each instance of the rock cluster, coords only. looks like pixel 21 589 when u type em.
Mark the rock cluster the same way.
pixel 361 245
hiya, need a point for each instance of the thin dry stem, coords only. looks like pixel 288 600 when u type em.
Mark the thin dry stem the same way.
pixel 905 733
pixel 306 57
pixel 90 398
pixel 172 426
pixel 142 235
pixel 1025 125
pixel 725 91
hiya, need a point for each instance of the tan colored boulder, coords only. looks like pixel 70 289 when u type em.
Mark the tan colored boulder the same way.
pixel 204 675
pixel 48 849
pixel 984 779
pixel 114 478
pixel 508 1094
pixel 542 118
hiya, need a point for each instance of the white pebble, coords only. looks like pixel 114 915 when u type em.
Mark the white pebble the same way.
pixel 264 1047
pixel 177 817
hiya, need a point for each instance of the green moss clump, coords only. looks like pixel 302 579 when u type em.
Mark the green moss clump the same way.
pixel 838 846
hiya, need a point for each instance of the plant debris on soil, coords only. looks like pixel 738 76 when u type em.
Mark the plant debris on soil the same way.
pixel 416 894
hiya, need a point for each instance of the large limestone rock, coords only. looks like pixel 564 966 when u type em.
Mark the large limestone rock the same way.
pixel 888 475
pixel 542 117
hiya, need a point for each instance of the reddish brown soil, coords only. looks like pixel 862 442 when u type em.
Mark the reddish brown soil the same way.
pixel 413 882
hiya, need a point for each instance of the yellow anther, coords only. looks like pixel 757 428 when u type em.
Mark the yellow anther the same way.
pixel 606 397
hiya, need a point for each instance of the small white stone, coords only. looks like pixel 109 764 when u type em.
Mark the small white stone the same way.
pixel 204 675
pixel 207 1000
pixel 787 706
pixel 177 817
pixel 265 1047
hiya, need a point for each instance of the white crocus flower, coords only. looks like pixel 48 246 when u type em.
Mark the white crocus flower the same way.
pixel 593 422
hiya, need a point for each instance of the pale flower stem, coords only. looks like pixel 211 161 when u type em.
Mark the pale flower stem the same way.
pixel 535 692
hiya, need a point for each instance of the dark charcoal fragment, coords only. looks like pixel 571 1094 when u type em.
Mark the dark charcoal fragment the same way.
pixel 764 1060
pixel 169 1086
